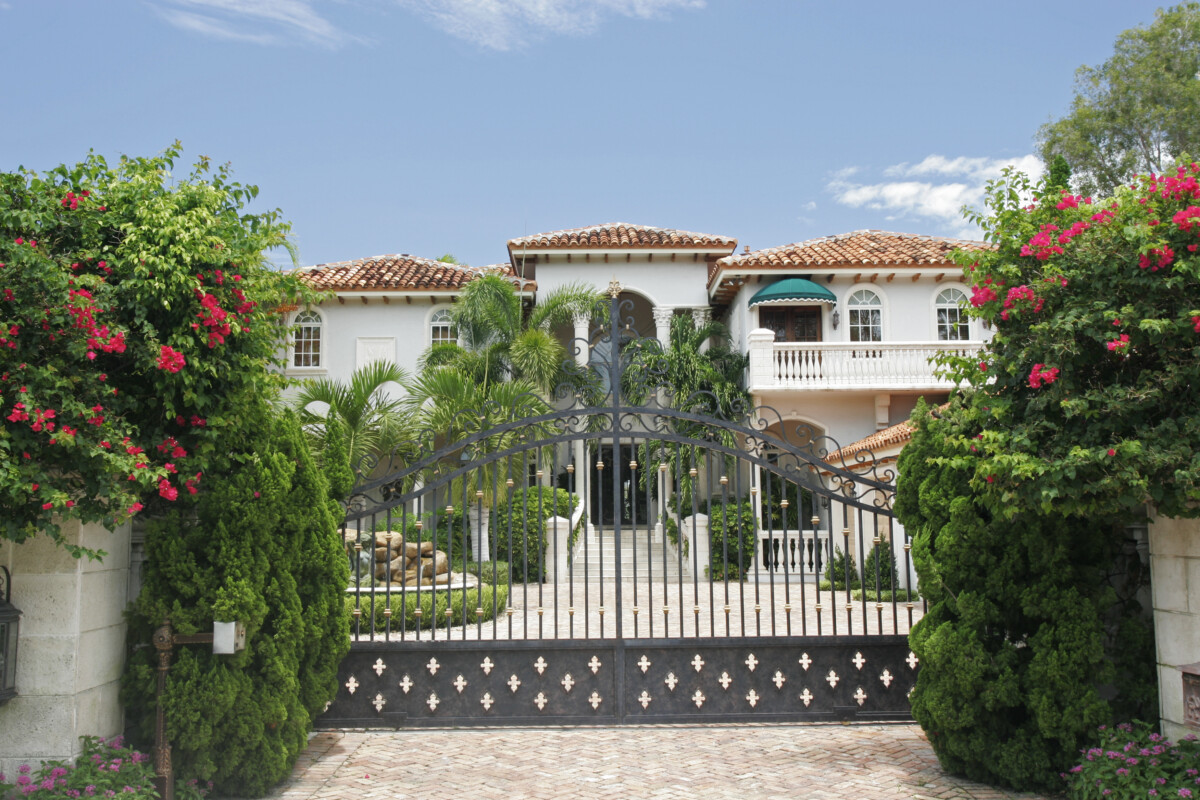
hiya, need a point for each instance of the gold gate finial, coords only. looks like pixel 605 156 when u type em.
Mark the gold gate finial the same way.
pixel 614 288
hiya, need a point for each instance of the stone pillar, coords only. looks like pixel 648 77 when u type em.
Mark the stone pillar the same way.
pixel 662 324
pixel 558 551
pixel 1175 581
pixel 760 348
pixel 72 644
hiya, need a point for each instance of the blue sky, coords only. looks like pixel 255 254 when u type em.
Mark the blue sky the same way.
pixel 434 126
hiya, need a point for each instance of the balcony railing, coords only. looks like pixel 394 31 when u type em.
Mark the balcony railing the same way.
pixel 847 365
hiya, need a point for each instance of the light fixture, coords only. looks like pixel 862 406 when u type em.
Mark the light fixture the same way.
pixel 835 319
pixel 10 622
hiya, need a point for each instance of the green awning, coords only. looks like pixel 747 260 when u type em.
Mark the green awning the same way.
pixel 792 290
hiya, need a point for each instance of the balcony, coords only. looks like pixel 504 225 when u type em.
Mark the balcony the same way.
pixel 874 366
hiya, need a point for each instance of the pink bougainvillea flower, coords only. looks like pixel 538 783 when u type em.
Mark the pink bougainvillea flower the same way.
pixel 1112 452
pixel 170 359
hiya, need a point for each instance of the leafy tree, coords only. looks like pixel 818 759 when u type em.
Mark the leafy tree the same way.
pixel 1136 112
pixel 1080 412
pixel 260 544
pixel 137 323
pixel 360 413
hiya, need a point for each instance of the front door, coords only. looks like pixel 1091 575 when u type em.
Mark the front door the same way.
pixel 792 323
pixel 633 507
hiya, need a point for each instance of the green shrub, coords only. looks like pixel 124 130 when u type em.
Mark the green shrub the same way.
pixel 519 529
pixel 733 533
pixel 261 545
pixel 881 565
pixel 493 572
pixel 1135 761
pixel 836 567
pixel 433 604
pixel 872 596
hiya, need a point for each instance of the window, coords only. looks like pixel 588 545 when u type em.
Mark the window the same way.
pixel 441 329
pixel 306 345
pixel 866 316
pixel 951 321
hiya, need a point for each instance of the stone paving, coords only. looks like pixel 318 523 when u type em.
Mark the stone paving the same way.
pixel 713 762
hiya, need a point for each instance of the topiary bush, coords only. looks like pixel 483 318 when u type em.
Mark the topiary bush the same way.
pixel 837 568
pixel 260 545
pixel 733 532
pixel 881 566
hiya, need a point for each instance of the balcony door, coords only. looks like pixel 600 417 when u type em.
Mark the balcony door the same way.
pixel 792 323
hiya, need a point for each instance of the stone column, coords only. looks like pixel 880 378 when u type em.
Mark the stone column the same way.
pixel 701 316
pixel 1175 582
pixel 662 324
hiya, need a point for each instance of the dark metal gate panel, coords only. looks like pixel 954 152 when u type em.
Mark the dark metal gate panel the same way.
pixel 709 608
pixel 631 681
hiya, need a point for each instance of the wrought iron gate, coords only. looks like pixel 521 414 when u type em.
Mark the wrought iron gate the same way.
pixel 624 556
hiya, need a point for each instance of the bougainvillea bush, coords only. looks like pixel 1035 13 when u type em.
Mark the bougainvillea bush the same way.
pixel 137 317
pixel 1080 411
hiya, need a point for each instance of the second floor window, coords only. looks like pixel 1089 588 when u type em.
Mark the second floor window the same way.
pixel 951 319
pixel 441 329
pixel 866 316
pixel 306 347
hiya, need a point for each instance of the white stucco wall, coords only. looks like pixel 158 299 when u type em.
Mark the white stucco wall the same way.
pixel 1175 581
pixel 663 282
pixel 353 329
pixel 71 650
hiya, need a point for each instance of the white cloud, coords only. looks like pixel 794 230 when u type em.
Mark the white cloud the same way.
pixel 939 200
pixel 811 205
pixel 258 21
pixel 504 24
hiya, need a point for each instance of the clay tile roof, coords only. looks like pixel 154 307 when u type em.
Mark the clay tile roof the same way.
pixel 621 235
pixel 855 248
pixel 898 434
pixel 387 273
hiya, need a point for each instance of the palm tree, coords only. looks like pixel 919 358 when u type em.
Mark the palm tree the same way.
pixel 497 341
pixel 367 420
pixel 702 381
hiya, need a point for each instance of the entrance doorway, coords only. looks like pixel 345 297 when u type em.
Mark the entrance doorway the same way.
pixel 634 506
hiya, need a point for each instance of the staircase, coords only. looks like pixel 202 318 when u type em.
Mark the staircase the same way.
pixel 649 558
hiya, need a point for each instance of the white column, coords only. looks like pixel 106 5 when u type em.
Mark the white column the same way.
pixel 883 403
pixel 662 323
pixel 701 315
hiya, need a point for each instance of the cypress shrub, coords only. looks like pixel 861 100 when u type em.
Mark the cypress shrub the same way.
pixel 881 563
pixel 835 569
pixel 260 544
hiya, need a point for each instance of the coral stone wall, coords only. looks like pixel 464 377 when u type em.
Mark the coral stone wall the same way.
pixel 72 644
pixel 1175 578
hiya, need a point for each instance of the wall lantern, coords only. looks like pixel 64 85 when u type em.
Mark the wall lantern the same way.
pixel 835 319
pixel 10 621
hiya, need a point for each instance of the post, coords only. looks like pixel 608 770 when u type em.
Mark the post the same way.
pixel 164 642
pixel 761 344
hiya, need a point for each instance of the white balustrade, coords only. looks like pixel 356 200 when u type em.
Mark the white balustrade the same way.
pixel 846 365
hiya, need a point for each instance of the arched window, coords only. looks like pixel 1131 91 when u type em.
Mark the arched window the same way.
pixel 441 329
pixel 306 345
pixel 951 319
pixel 866 316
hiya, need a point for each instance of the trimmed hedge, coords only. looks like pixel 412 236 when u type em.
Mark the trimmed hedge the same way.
pixel 433 604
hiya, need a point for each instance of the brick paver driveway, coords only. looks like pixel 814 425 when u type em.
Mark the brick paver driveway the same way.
pixel 707 762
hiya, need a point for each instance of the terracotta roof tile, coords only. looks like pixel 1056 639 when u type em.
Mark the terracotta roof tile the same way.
pixel 615 235
pixel 898 434
pixel 390 273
